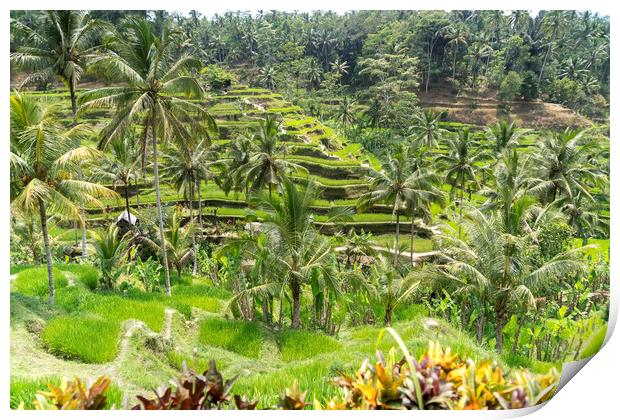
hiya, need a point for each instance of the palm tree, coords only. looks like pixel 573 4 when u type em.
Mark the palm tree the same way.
pixel 44 170
pixel 496 267
pixel 186 165
pixel 401 188
pixel 121 167
pixel 154 95
pixel 265 167
pixel 392 288
pixel 304 253
pixel 563 167
pixel 58 49
pixel 111 249
pixel 458 38
pixel 425 128
pixel 268 77
pixel 504 135
pixel 461 165
pixel 345 114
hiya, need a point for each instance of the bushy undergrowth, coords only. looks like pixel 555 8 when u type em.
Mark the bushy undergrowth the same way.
pixel 240 337
pixel 300 345
pixel 594 342
pixel 88 338
pixel 34 282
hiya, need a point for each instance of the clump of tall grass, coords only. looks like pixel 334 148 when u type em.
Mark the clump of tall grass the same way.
pixel 300 345
pixel 240 337
pixel 84 337
pixel 85 274
pixel 34 282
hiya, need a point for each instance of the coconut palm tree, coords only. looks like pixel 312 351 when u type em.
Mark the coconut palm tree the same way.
pixel 496 267
pixel 391 287
pixel 265 167
pixel 154 94
pixel 425 128
pixel 187 164
pixel 458 37
pixel 504 135
pixel 121 167
pixel 305 254
pixel 111 250
pixel 563 167
pixel 461 165
pixel 401 188
pixel 59 48
pixel 45 168
pixel 345 114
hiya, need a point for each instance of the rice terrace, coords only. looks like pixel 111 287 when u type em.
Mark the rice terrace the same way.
pixel 360 210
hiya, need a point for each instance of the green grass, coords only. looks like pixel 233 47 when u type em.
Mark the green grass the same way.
pixel 25 390
pixel 85 274
pixel 199 365
pixel 34 282
pixel 301 345
pixel 240 337
pixel 84 337
pixel 312 377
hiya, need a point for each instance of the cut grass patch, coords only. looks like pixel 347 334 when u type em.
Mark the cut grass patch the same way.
pixel 300 345
pixel 240 337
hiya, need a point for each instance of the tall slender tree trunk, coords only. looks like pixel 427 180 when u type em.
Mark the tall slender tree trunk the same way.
pixel 515 344
pixel 296 292
pixel 412 231
pixel 387 319
pixel 127 209
pixel 480 327
pixel 397 244
pixel 48 251
pixel 83 214
pixel 191 222
pixel 454 64
pixel 542 68
pixel 73 100
pixel 162 237
pixel 202 229
pixel 461 211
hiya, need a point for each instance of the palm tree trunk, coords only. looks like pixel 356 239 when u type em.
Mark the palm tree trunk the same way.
pixel 454 64
pixel 480 327
pixel 387 319
pixel 202 229
pixel 73 100
pixel 542 68
pixel 162 237
pixel 137 192
pixel 191 221
pixel 84 247
pixel 48 252
pixel 127 203
pixel 396 245
pixel 296 292
pixel 515 344
pixel 412 230
pixel 461 211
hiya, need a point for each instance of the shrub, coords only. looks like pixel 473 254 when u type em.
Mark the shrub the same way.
pixel 34 282
pixel 64 395
pixel 594 343
pixel 300 345
pixel 240 337
pixel 88 338
pixel 529 86
pixel 217 77
pixel 510 86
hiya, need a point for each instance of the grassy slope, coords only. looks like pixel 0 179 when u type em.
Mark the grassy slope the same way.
pixel 269 360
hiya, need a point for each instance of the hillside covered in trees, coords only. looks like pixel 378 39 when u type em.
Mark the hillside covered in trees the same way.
pixel 287 193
